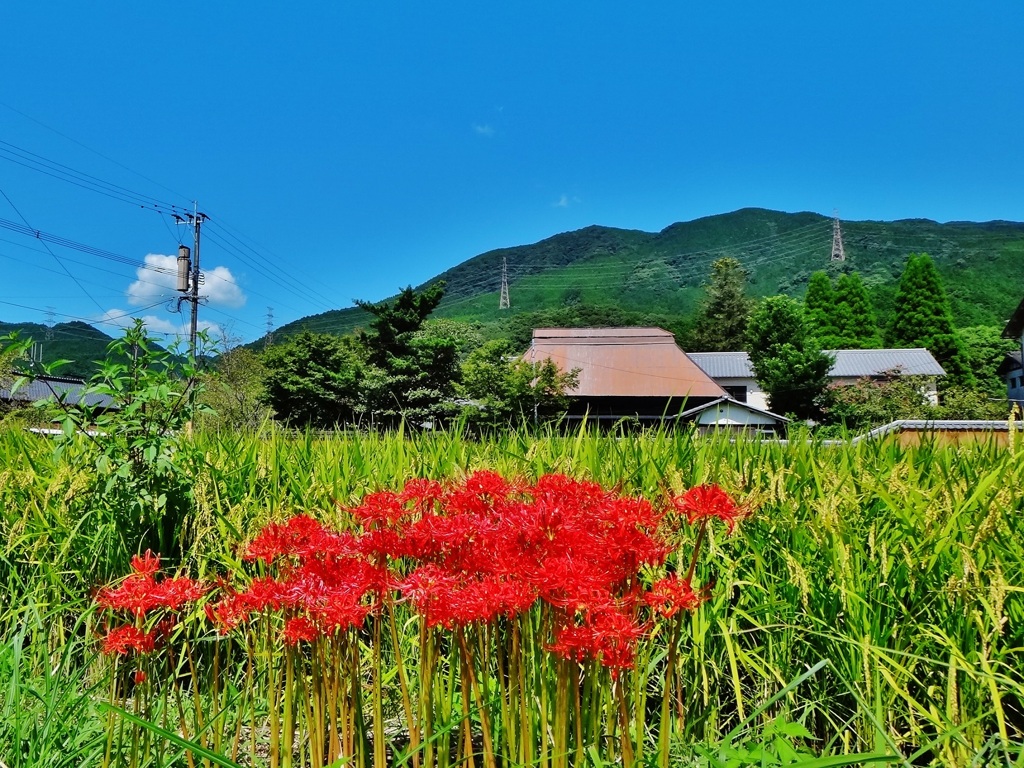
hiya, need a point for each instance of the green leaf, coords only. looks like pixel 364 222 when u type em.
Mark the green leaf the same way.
pixel 833 761
pixel 196 749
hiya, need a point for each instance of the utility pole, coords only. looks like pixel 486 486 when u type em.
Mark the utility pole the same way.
pixel 188 274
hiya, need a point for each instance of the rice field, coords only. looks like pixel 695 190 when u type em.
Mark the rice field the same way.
pixel 870 605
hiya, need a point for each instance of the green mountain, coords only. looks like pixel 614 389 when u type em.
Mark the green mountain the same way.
pixel 75 341
pixel 659 275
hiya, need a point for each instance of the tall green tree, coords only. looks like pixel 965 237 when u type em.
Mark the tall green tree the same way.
pixel 394 323
pixel 787 360
pixel 922 318
pixel 856 326
pixel 314 379
pixel 412 372
pixel 819 309
pixel 721 320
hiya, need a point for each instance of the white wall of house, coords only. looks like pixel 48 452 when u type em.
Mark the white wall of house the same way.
pixel 730 415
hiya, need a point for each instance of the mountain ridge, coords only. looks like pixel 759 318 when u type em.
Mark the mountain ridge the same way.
pixel 657 276
pixel 662 272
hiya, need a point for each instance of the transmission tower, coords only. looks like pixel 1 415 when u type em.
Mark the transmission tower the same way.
pixel 503 301
pixel 837 239
pixel 50 314
pixel 270 327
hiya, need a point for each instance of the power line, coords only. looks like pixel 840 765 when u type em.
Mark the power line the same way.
pixel 272 263
pixel 56 258
pixel 90 149
pixel 46 237
pixel 107 319
pixel 55 170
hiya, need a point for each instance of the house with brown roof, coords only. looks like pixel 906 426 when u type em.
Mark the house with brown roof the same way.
pixel 640 374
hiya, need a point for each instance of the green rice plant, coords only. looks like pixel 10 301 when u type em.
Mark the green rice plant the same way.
pixel 48 703
pixel 902 565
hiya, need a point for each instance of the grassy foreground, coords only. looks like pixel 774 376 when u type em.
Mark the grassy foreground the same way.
pixel 893 574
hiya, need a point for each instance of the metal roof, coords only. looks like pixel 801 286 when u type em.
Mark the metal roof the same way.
pixel 852 363
pixel 849 363
pixel 623 362
pixel 45 387
pixel 723 365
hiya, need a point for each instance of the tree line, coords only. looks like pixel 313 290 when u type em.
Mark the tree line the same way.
pixel 789 341
pixel 401 369
pixel 407 367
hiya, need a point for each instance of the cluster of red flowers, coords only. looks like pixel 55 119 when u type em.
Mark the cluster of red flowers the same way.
pixel 324 583
pixel 140 594
pixel 460 554
pixel 703 502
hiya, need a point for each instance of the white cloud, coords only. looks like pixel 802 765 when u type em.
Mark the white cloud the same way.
pixel 220 287
pixel 483 129
pixel 565 201
pixel 157 280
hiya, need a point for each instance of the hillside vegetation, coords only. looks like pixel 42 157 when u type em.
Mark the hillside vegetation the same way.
pixel 658 277
pixel 77 342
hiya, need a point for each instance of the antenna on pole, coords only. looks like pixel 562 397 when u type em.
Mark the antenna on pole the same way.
pixel 837 238
pixel 503 301
pixel 270 328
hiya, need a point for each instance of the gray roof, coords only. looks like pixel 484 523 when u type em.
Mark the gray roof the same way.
pixel 44 387
pixel 850 363
pixel 723 365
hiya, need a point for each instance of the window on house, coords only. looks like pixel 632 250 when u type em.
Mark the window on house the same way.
pixel 737 393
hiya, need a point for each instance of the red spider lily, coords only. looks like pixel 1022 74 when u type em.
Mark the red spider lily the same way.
pixel 139 677
pixel 136 595
pixel 674 594
pixel 147 564
pixel 140 592
pixel 705 501
pixel 299 629
pixel 381 509
pixel 608 636
pixel 123 640
pixel 301 536
pixel 421 495
pixel 228 612
pixel 175 593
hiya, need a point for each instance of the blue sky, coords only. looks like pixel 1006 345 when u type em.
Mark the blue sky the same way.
pixel 361 147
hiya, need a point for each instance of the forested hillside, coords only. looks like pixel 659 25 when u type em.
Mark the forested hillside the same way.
pixel 604 274
pixel 76 342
